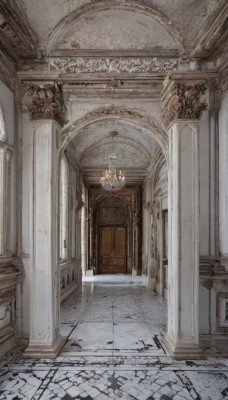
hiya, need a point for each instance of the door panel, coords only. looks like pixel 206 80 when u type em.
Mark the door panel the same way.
pixel 113 250
pixel 119 258
pixel 107 255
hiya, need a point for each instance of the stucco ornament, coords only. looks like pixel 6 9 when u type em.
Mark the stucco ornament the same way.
pixel 130 65
pixel 184 103
pixel 47 102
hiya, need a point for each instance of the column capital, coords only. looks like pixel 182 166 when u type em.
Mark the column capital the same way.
pixel 46 102
pixel 181 100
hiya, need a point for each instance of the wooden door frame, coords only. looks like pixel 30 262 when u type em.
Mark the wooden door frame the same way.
pixel 99 243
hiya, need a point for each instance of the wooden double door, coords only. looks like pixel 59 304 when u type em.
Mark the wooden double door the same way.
pixel 112 250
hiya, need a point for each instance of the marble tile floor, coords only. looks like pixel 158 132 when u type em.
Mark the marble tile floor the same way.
pixel 114 351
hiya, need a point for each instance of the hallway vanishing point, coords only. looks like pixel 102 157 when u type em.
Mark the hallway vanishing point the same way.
pixel 114 350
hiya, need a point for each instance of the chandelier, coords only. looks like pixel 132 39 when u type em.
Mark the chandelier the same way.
pixel 111 179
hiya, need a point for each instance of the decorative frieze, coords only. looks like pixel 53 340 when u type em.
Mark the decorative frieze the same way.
pixel 47 102
pixel 109 65
pixel 183 102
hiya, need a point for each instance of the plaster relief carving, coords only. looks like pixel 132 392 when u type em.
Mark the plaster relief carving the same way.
pixel 47 102
pixel 108 65
pixel 184 103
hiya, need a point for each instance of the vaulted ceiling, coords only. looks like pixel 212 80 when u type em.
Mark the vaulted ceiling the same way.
pixel 134 147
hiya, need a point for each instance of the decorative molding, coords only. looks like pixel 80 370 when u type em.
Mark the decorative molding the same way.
pixel 109 65
pixel 143 84
pixel 47 102
pixel 183 102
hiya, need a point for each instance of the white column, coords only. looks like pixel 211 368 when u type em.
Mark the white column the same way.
pixel 44 319
pixel 183 232
pixel 223 180
pixel 5 202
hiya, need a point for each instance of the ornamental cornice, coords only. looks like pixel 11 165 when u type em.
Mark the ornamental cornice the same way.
pixel 46 102
pixel 182 101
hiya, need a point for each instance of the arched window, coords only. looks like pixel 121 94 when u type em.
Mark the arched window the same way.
pixel 2 124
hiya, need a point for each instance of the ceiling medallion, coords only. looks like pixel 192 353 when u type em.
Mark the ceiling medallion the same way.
pixel 111 179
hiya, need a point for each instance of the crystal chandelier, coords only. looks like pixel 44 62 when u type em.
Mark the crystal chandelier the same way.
pixel 111 179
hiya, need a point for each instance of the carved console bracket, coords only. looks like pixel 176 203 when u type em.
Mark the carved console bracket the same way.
pixel 182 101
pixel 47 102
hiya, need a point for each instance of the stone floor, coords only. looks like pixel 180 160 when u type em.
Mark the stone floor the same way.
pixel 114 351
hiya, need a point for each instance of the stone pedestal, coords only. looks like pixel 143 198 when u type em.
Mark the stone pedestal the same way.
pixel 182 112
pixel 44 338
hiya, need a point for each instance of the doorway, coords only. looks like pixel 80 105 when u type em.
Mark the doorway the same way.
pixel 112 250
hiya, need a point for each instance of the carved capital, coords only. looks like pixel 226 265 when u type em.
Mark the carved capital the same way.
pixel 47 102
pixel 182 101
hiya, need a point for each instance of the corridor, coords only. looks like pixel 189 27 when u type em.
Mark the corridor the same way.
pixel 114 314
pixel 114 351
